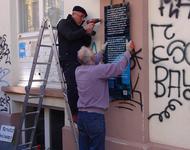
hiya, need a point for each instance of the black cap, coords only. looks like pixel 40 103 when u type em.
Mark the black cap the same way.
pixel 80 9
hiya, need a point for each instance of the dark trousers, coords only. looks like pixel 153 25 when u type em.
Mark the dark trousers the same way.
pixel 72 93
pixel 91 131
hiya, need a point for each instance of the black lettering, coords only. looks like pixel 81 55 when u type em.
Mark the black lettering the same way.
pixel 173 80
pixel 160 87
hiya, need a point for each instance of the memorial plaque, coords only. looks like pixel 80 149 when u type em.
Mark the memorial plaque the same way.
pixel 116 34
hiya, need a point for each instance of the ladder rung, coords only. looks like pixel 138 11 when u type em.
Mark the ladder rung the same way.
pixel 28 143
pixel 33 97
pixel 33 112
pixel 38 80
pixel 45 27
pixel 30 128
pixel 43 63
pixel 27 148
pixel 42 45
pixel 54 27
pixel 35 146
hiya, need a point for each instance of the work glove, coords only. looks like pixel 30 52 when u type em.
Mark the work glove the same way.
pixel 130 46
pixel 103 48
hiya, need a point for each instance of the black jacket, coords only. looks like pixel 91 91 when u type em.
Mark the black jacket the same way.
pixel 71 37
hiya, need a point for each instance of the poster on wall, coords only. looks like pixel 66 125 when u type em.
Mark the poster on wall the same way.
pixel 6 133
pixel 22 50
pixel 116 35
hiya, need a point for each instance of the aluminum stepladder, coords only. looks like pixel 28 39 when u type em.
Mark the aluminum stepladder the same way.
pixel 22 129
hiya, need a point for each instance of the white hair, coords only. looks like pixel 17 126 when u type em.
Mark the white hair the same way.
pixel 83 55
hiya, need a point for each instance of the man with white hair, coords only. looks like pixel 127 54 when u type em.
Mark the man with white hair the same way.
pixel 92 85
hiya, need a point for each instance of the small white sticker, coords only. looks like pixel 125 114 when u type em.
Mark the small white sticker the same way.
pixel 6 133
pixel 125 92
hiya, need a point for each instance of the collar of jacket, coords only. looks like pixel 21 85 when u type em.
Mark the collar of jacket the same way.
pixel 71 20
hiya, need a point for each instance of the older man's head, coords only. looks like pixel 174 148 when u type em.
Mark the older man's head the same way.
pixel 86 56
pixel 79 14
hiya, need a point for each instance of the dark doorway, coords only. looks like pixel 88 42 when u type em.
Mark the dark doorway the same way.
pixel 56 124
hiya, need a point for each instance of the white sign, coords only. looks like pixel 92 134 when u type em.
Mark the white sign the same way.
pixel 6 133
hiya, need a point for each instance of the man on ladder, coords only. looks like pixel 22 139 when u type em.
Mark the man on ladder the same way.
pixel 29 130
pixel 71 37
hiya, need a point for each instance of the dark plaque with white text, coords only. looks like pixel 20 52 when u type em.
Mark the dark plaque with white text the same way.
pixel 116 34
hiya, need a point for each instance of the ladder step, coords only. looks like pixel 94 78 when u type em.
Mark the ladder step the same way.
pixel 43 63
pixel 38 147
pixel 33 112
pixel 30 128
pixel 34 97
pixel 27 148
pixel 39 80
pixel 54 27
pixel 42 45
pixel 28 143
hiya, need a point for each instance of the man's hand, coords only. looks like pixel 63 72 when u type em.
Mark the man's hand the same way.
pixel 130 46
pixel 89 28
pixel 103 48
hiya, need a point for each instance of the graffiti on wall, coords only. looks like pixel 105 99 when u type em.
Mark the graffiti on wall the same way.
pixel 4 99
pixel 4 72
pixel 170 58
pixel 5 103
pixel 136 96
pixel 4 50
pixel 174 8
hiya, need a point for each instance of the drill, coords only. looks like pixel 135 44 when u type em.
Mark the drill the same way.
pixel 95 20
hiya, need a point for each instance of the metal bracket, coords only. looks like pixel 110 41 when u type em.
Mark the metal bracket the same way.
pixel 124 2
pixel 111 2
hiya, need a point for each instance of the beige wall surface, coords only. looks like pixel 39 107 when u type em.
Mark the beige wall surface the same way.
pixel 169 61
pixel 7 50
pixel 126 119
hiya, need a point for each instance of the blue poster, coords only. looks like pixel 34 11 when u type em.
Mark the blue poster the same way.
pixel 22 50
